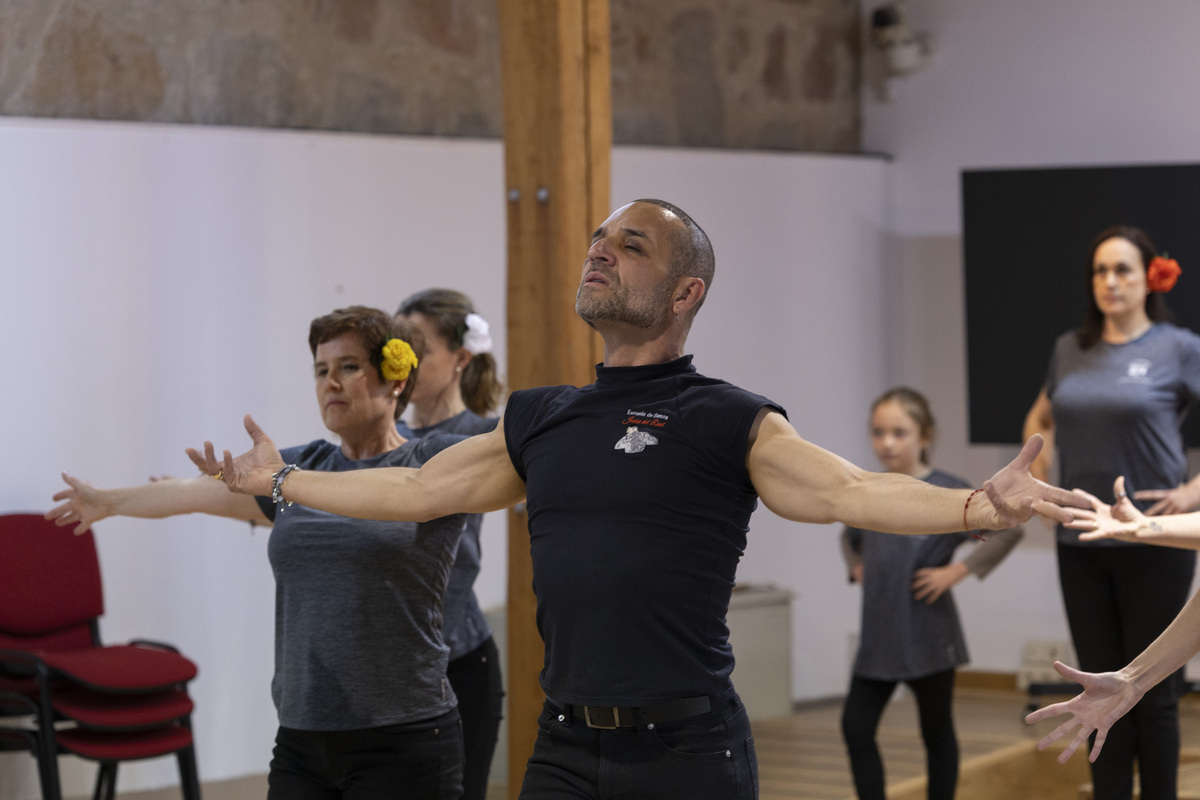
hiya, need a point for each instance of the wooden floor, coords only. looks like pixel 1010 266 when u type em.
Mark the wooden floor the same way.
pixel 801 756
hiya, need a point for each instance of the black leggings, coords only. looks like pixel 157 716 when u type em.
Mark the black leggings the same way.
pixel 477 683
pixel 860 720
pixel 1118 600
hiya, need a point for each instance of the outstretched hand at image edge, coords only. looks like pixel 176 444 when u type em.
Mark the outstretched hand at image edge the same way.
pixel 80 505
pixel 1106 697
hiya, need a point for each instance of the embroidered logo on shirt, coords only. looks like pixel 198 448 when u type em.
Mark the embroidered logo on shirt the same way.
pixel 635 440
pixel 1137 371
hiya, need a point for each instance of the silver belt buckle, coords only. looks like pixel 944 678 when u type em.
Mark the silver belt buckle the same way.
pixel 587 718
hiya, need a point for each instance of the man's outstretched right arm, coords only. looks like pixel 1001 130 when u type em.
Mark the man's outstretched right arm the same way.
pixel 472 476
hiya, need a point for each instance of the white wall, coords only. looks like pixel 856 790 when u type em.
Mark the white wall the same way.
pixel 156 283
pixel 1023 83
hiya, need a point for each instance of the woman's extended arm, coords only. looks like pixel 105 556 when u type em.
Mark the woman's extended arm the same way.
pixel 1123 521
pixel 1107 696
pixel 1040 420
pixel 82 504
pixel 802 482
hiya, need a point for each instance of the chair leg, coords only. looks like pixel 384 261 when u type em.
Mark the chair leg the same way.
pixel 46 753
pixel 98 793
pixel 106 781
pixel 47 744
pixel 189 778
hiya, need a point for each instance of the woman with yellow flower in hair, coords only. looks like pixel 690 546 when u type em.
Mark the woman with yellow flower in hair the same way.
pixel 360 684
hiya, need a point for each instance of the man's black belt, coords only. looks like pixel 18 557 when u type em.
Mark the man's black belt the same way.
pixel 613 717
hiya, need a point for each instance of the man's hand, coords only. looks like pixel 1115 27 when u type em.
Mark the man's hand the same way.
pixel 1106 697
pixel 249 473
pixel 1015 494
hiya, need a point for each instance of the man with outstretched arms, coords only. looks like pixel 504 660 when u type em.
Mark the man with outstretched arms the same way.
pixel 639 489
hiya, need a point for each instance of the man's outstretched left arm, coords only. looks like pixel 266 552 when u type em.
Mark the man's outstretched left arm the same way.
pixel 803 482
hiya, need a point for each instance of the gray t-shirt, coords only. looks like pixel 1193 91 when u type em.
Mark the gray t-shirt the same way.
pixel 1117 411
pixel 465 627
pixel 902 638
pixel 358 605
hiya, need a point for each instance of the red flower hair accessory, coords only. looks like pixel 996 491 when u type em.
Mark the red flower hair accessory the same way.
pixel 1162 274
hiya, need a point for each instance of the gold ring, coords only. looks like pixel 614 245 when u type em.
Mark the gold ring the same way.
pixel 220 475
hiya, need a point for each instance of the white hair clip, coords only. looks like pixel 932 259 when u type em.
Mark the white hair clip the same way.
pixel 477 340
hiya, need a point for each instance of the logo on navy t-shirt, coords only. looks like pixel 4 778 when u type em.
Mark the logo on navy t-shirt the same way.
pixel 1137 371
pixel 635 439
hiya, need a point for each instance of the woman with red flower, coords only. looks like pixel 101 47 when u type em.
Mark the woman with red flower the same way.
pixel 1114 397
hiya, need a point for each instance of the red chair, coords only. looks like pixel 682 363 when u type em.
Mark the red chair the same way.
pixel 107 703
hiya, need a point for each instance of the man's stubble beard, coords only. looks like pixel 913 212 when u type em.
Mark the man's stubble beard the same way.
pixel 616 307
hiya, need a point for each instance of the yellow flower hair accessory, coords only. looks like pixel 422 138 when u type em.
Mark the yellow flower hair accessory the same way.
pixel 398 360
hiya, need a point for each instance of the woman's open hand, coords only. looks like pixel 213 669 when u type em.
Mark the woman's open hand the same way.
pixel 81 505
pixel 1102 521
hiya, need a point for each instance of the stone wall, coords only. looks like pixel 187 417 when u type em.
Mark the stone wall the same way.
pixel 775 74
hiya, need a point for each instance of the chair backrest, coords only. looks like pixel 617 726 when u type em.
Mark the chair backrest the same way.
pixel 49 582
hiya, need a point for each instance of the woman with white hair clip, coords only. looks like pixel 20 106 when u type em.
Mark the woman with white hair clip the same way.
pixel 458 389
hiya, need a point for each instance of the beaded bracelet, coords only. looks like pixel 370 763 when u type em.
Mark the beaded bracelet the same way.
pixel 277 486
pixel 967 505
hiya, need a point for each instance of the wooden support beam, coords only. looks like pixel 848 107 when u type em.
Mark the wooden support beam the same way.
pixel 557 80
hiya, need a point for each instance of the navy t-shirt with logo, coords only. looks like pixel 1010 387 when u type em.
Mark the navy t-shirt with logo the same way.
pixel 639 501
pixel 1117 411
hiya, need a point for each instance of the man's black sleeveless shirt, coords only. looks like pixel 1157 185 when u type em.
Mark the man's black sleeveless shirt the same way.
pixel 639 502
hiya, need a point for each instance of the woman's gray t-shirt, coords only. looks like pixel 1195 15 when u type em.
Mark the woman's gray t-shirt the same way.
pixel 466 628
pixel 1117 411
pixel 358 605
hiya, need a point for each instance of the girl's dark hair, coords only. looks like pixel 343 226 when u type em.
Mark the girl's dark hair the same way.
pixel 374 328
pixel 1093 318
pixel 447 310
pixel 916 406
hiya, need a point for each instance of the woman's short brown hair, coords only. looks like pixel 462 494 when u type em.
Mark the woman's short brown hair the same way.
pixel 374 328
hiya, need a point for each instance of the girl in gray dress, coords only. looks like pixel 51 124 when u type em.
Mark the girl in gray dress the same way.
pixel 910 628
